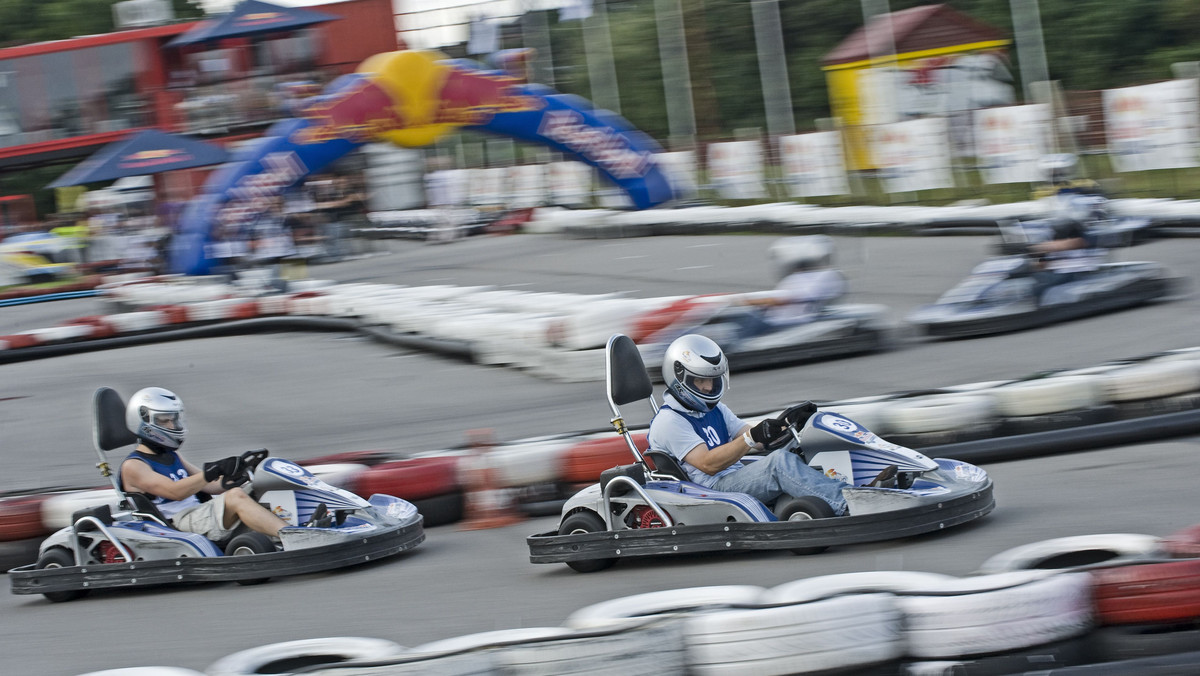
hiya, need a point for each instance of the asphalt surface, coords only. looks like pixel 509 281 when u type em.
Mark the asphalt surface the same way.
pixel 302 395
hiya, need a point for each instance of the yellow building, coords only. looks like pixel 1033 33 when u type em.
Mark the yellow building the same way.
pixel 928 60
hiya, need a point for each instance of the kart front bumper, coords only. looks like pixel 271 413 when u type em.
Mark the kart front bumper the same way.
pixel 372 547
pixel 550 547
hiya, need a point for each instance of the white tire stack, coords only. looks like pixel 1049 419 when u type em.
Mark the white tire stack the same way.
pixel 284 658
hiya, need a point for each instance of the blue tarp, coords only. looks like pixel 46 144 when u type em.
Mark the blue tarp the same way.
pixel 251 17
pixel 147 152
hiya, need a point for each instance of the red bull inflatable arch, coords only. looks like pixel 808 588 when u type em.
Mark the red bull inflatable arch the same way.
pixel 411 99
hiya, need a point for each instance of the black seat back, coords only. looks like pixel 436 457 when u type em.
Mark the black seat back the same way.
pixel 665 463
pixel 108 421
pixel 628 380
pixel 143 504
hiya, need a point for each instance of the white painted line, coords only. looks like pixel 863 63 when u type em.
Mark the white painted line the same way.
pixel 694 267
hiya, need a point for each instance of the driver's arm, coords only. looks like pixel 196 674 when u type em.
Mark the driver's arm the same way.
pixel 212 488
pixel 139 478
pixel 713 460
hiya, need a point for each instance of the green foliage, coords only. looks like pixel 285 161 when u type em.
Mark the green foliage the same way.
pixel 25 21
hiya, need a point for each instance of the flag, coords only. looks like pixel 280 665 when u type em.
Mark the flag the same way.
pixel 484 37
pixel 575 9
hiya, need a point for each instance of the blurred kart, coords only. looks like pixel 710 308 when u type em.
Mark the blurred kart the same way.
pixel 36 257
pixel 1020 290
pixel 650 507
pixel 134 546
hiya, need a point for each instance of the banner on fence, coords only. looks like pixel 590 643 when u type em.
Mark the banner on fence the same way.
pixel 913 155
pixel 680 167
pixel 569 183
pixel 489 187
pixel 814 164
pixel 1010 140
pixel 735 169
pixel 528 185
pixel 1152 126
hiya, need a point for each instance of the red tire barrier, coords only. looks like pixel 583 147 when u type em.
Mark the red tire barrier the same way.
pixel 100 328
pixel 1183 544
pixel 20 340
pixel 368 458
pixel 1151 593
pixel 21 517
pixel 649 323
pixel 173 314
pixel 412 479
pixel 583 462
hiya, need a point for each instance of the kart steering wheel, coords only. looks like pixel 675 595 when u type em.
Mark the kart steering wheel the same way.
pixel 247 463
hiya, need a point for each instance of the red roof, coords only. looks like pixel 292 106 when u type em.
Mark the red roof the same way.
pixel 912 30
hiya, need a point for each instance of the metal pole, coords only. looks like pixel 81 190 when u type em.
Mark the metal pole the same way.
pixel 536 33
pixel 1031 48
pixel 772 68
pixel 597 43
pixel 677 77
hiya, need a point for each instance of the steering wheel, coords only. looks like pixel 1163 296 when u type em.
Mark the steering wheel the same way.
pixel 247 463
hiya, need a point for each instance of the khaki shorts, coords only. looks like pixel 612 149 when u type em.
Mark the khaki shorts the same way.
pixel 207 519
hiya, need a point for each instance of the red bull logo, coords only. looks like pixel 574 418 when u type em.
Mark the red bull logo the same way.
pixel 259 19
pixel 358 113
pixel 601 145
pixel 152 158
pixel 472 98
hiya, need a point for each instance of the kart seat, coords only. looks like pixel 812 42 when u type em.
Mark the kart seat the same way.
pixel 665 463
pixel 142 504
pixel 108 425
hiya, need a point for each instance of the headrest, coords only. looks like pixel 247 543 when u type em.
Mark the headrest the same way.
pixel 628 380
pixel 108 421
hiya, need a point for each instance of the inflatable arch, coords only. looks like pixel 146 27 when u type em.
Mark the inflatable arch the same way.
pixel 411 99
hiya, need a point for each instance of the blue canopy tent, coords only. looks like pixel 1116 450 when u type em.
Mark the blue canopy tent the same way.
pixel 251 17
pixel 149 151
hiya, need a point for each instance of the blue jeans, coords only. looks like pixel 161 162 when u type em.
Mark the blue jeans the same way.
pixel 779 473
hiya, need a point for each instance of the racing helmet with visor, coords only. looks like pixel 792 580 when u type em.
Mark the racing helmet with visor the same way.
pixel 155 415
pixel 696 372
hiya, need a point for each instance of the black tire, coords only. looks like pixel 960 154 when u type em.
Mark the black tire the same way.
pixel 57 557
pixel 249 544
pixel 806 508
pixel 577 524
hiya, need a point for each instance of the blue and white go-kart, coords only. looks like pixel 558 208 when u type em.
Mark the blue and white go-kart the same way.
pixel 134 546
pixel 650 507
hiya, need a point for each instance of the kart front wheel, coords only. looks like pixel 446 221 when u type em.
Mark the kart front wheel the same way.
pixel 805 508
pixel 580 523
pixel 249 544
pixel 57 557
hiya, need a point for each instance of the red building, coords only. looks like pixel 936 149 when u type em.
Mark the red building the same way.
pixel 62 100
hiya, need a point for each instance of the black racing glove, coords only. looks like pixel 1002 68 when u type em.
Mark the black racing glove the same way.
pixel 223 467
pixel 767 432
pixel 798 414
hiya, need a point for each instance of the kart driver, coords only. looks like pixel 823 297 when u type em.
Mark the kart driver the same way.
pixel 808 282
pixel 710 440
pixel 178 488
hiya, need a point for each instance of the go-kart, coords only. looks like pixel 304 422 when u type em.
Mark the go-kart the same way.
pixel 650 507
pixel 1019 290
pixel 134 546
pixel 836 330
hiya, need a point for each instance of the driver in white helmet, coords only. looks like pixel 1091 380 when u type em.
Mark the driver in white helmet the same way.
pixel 709 440
pixel 191 497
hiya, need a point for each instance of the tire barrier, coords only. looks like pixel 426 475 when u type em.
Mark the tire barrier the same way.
pixel 1171 218
pixel 21 517
pixel 1076 551
pixel 1183 544
pixel 912 622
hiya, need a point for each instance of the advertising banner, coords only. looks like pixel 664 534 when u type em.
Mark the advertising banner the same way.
pixel 813 164
pixel 913 155
pixel 1010 140
pixel 489 187
pixel 735 169
pixel 569 183
pixel 680 167
pixel 1152 126
pixel 528 185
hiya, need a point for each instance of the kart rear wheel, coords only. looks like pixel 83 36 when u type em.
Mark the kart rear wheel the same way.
pixel 249 544
pixel 578 524
pixel 57 557
pixel 805 508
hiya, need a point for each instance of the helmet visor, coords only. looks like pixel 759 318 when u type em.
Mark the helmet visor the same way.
pixel 707 389
pixel 167 420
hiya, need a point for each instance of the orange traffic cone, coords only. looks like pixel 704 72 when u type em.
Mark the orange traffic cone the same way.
pixel 487 504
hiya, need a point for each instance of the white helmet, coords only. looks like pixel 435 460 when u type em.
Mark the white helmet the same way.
pixel 688 358
pixel 1058 168
pixel 155 415
pixel 793 254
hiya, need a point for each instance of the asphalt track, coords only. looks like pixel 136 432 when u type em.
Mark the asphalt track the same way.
pixel 303 395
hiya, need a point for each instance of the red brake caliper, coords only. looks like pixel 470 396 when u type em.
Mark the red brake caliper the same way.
pixel 107 552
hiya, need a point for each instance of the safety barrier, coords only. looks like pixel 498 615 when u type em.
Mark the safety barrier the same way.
pixel 1047 611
